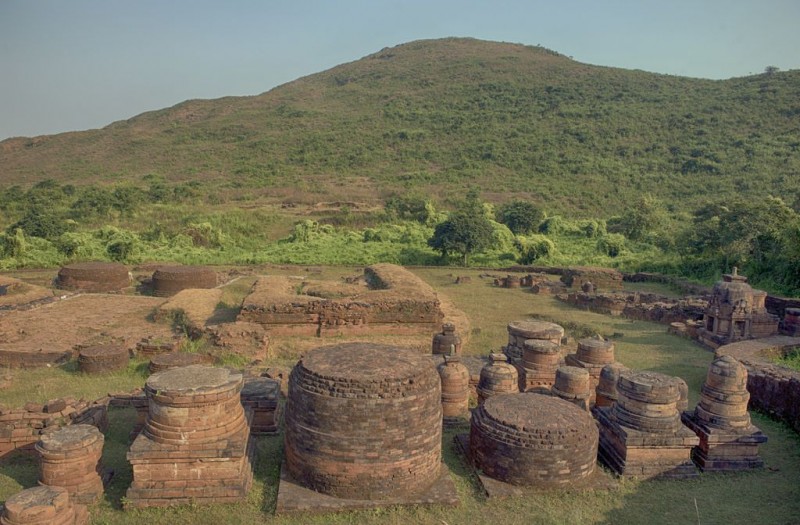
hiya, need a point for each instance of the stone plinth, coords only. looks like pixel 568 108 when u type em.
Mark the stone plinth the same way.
pixel 497 377
pixel 447 342
pixel 161 362
pixel 728 439
pixel 641 435
pixel 93 277
pixel 540 360
pixel 534 440
pixel 606 391
pixel 455 388
pixel 512 281
pixel 260 395
pixel 593 354
pixel 169 280
pixel 195 444
pixel 521 331
pixel 103 358
pixel 70 458
pixel 43 506
pixel 364 421
pixel 573 385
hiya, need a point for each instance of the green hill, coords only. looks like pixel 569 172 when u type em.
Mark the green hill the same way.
pixel 440 115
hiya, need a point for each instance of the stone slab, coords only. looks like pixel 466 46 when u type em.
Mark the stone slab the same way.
pixel 293 498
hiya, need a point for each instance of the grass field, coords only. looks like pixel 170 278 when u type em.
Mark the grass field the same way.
pixel 771 495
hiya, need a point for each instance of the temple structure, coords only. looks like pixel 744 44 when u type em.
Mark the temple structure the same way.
pixel 736 312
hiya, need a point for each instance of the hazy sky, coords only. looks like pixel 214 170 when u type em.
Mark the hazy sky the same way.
pixel 78 64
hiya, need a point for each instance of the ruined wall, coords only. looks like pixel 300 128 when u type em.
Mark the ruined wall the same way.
pixel 639 306
pixel 21 428
pixel 396 297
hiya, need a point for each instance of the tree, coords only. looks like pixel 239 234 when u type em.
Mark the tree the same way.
pixel 40 221
pixel 769 70
pixel 463 233
pixel 521 217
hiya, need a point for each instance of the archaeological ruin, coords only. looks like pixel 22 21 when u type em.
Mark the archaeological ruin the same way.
pixel 533 440
pixel 70 458
pixel 735 312
pixel 455 389
pixel 728 439
pixel 573 384
pixel 337 396
pixel 521 331
pixel 169 280
pixel 446 342
pixel 195 446
pixel 44 505
pixel 93 277
pixel 641 435
pixel 498 376
pixel 392 301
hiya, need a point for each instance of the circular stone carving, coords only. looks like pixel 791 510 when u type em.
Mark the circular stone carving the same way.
pixel 596 351
pixel 70 458
pixel 93 277
pixel 364 421
pixel 648 401
pixel 102 358
pixel 39 505
pixel 533 439
pixel 169 280
pixel 192 405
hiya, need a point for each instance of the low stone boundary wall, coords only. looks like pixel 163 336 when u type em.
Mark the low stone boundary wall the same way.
pixel 638 306
pixel 773 389
pixel 21 428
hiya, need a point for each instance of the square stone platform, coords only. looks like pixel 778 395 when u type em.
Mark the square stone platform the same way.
pixel 632 453
pixel 495 489
pixel 722 450
pixel 294 498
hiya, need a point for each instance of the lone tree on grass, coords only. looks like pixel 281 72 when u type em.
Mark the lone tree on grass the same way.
pixel 463 233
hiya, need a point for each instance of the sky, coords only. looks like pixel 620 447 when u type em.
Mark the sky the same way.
pixel 69 65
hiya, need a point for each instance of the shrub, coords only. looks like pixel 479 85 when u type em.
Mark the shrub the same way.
pixel 611 244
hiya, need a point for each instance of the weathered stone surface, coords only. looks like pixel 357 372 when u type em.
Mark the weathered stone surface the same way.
pixel 195 444
pixel 606 392
pixel 533 439
pixel 93 277
pixel 364 421
pixel 600 278
pixel 641 435
pixel 573 384
pixel 497 377
pixel 70 458
pixel 240 338
pixel 191 307
pixel 43 506
pixel 540 360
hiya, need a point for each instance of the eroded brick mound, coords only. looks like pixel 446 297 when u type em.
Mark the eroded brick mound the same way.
pixel 159 363
pixel 192 308
pixel 606 391
pixel 364 421
pixel 600 278
pixel 42 506
pixel 447 341
pixel 573 384
pixel 396 301
pixel 533 440
pixel 540 360
pixel 241 338
pixel 93 277
pixel 455 387
pixel 169 280
pixel 196 436
pixel 70 458
pixel 497 377
pixel 103 358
